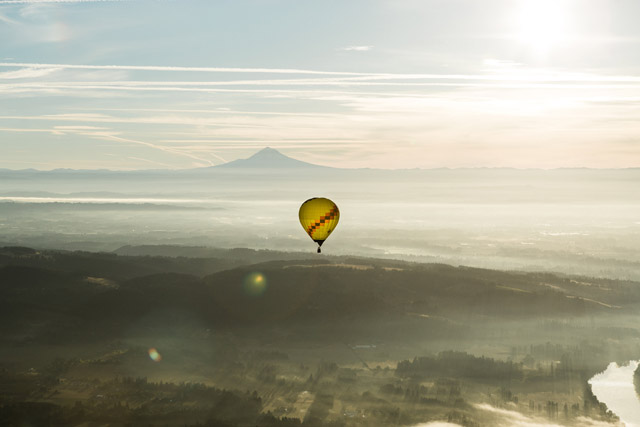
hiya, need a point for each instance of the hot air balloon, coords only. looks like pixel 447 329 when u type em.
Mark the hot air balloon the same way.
pixel 319 216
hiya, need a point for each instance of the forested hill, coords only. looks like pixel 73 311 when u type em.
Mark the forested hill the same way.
pixel 49 295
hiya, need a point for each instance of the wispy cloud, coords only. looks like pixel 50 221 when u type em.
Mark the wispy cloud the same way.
pixel 225 111
pixel 59 1
pixel 496 117
pixel 7 20
pixel 155 120
pixel 506 74
pixel 153 162
pixel 171 150
pixel 506 131
pixel 27 130
pixel 79 128
pixel 347 92
pixel 357 48
pixel 95 132
pixel 178 68
pixel 27 73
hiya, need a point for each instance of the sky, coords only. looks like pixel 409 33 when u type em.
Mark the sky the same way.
pixel 141 84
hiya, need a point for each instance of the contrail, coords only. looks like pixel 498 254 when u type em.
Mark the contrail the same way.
pixel 526 77
pixel 162 148
pixel 177 68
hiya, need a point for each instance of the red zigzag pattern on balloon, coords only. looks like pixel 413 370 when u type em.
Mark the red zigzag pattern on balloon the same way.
pixel 322 221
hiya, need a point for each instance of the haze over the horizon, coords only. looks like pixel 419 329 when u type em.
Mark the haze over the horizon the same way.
pixel 381 84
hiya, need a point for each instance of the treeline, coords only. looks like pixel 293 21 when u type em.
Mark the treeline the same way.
pixel 460 365
pixel 118 402
pixel 121 266
pixel 442 391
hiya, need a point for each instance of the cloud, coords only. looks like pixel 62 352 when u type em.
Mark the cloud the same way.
pixel 95 132
pixel 357 48
pixel 494 120
pixel 471 127
pixel 170 150
pixel 29 130
pixel 79 128
pixel 7 20
pixel 505 76
pixel 178 68
pixel 27 73
pixel 59 1
pixel 323 90
pixel 224 111
pixel 153 162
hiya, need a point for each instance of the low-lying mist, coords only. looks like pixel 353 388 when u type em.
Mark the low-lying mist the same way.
pixel 443 298
pixel 575 221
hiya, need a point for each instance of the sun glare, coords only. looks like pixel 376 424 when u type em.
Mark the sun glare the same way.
pixel 542 24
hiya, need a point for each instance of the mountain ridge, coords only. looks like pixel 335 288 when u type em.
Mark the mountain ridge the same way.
pixel 88 292
pixel 270 158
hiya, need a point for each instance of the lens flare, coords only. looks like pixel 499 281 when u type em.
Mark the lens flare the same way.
pixel 154 355
pixel 255 284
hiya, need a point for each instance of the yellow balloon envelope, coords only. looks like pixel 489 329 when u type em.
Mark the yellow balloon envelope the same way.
pixel 319 217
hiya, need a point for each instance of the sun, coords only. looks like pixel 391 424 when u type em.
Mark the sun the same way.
pixel 542 24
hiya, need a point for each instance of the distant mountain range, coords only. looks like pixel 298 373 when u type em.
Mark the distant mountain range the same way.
pixel 271 159
pixel 265 159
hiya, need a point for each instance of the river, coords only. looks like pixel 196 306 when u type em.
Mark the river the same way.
pixel 615 388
